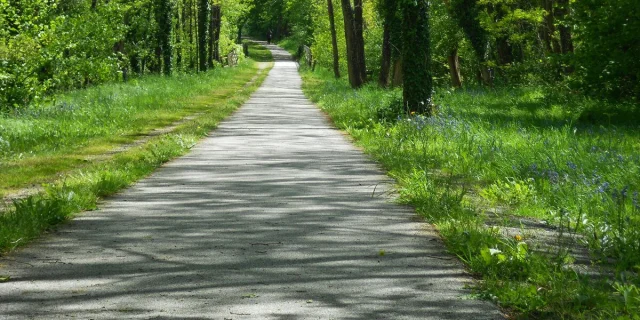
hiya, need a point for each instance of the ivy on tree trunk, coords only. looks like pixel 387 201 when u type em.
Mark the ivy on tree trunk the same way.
pixel 416 56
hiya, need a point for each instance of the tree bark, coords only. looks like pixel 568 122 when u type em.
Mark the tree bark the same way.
pixel 358 28
pixel 454 68
pixel 216 18
pixel 566 42
pixel 416 56
pixel 355 45
pixel 389 8
pixel 163 19
pixel 334 40
pixel 203 11
pixel 385 63
pixel 397 72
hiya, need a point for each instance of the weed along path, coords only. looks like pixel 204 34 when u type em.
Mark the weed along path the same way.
pixel 274 216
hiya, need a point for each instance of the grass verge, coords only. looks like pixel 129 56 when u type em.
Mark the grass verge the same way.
pixel 40 142
pixel 506 154
pixel 81 188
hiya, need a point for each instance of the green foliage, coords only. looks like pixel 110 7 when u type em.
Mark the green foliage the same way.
pixel 526 151
pixel 51 46
pixel 607 61
pixel 467 14
pixel 81 188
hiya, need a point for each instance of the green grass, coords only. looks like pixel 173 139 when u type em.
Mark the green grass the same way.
pixel 39 142
pixel 531 152
pixel 259 53
pixel 80 187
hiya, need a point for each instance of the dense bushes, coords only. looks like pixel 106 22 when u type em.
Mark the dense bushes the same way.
pixel 55 45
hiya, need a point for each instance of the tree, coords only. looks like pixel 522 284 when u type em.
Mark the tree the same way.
pixel 353 29
pixel 388 10
pixel 416 57
pixel 334 40
pixel 214 34
pixel 203 15
pixel 163 20
pixel 466 13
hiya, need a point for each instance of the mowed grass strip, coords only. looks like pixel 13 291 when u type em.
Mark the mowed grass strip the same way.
pixel 39 143
pixel 81 188
pixel 532 153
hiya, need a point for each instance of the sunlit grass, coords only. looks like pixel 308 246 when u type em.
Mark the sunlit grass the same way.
pixel 76 184
pixel 530 152
pixel 39 142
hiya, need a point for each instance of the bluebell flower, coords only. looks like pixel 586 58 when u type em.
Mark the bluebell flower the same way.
pixel 553 176
pixel 634 199
pixel 571 165
pixel 623 192
pixel 603 188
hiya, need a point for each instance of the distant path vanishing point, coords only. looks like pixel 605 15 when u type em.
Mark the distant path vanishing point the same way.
pixel 274 216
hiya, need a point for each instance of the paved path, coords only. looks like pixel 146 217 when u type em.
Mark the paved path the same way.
pixel 274 216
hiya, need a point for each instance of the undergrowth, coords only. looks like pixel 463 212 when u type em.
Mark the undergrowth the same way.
pixel 39 142
pixel 82 188
pixel 531 152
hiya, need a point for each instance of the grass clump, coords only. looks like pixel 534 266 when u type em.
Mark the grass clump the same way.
pixel 81 187
pixel 508 154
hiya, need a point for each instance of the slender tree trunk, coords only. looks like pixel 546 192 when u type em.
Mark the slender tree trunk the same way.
pixel 211 39
pixel 216 18
pixel 385 64
pixel 566 43
pixel 203 14
pixel 354 60
pixel 454 68
pixel 416 56
pixel 397 72
pixel 163 19
pixel 192 52
pixel 389 9
pixel 550 43
pixel 358 28
pixel 334 40
pixel 505 56
pixel 179 28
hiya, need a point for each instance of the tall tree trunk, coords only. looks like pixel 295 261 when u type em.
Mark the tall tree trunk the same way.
pixel 203 14
pixel 358 28
pixel 389 8
pixel 216 19
pixel 179 36
pixel 334 40
pixel 163 20
pixel 505 56
pixel 566 43
pixel 356 78
pixel 454 68
pixel 550 43
pixel 385 63
pixel 211 37
pixel 416 56
pixel 192 53
pixel 396 81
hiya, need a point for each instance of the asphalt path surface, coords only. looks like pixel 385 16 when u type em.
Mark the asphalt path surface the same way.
pixel 275 215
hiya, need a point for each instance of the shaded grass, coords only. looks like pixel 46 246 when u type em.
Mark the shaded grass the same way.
pixel 525 150
pixel 81 188
pixel 39 142
pixel 259 53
